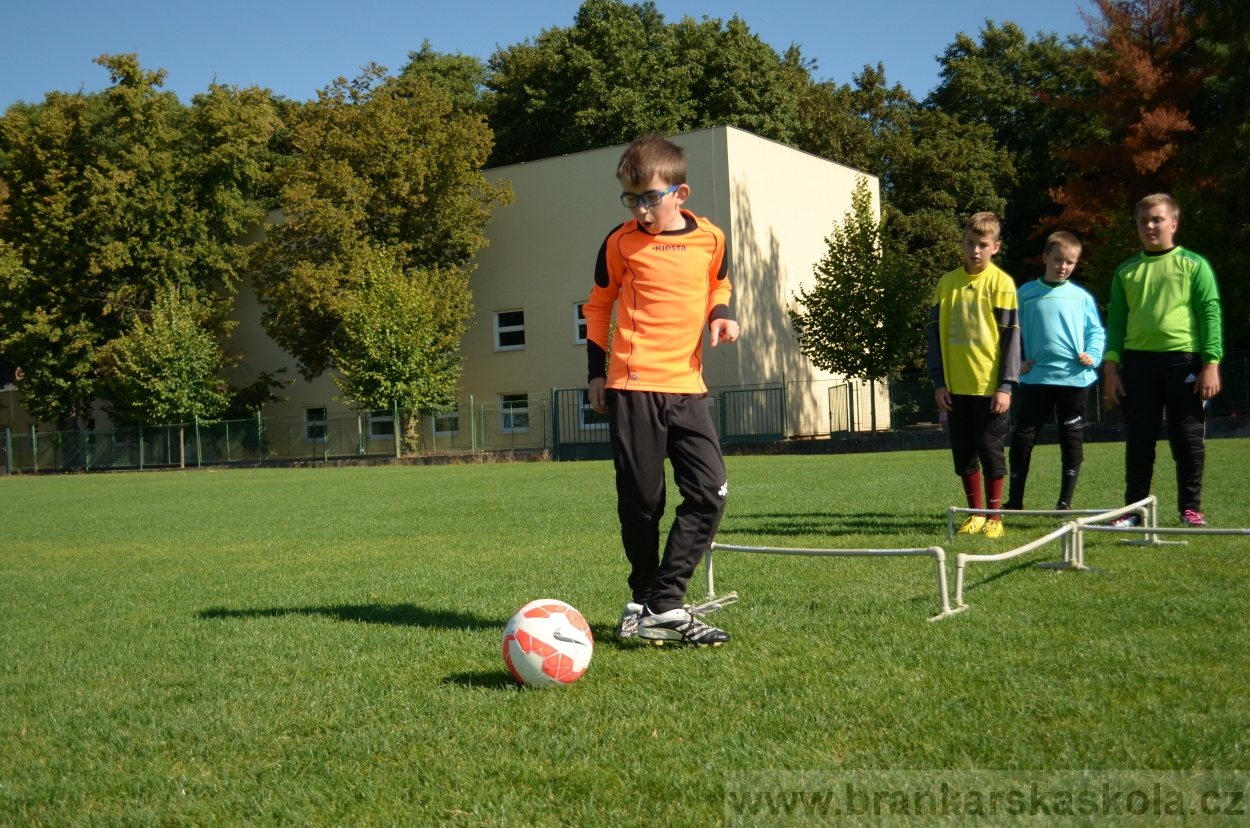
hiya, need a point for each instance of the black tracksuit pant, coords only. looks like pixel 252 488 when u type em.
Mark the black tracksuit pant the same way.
pixel 1035 405
pixel 1155 383
pixel 646 427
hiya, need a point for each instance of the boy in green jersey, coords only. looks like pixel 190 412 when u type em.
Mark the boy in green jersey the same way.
pixel 1164 345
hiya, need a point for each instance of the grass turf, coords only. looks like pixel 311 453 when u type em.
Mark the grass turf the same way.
pixel 322 646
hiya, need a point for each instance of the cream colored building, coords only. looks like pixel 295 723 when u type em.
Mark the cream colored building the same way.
pixel 776 205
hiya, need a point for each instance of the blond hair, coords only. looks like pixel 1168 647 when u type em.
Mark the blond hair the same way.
pixel 1156 199
pixel 984 224
pixel 1064 239
pixel 649 156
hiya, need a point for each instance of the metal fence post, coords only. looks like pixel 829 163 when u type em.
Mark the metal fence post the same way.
pixel 199 449
pixel 260 438
pixel 395 426
pixel 8 450
pixel 472 427
pixel 140 445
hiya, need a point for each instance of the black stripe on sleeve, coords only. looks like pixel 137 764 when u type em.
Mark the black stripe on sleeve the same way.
pixel 596 361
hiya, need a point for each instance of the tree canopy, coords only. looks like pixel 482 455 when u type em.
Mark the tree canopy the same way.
pixel 112 197
pixel 382 197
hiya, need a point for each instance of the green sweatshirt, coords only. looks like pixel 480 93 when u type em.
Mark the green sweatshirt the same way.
pixel 1164 302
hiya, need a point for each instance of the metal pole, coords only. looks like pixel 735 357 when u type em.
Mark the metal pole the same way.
pixel 472 427
pixel 260 438
pixel 395 426
pixel 227 441
pixel 199 449
pixel 140 445
pixel 8 450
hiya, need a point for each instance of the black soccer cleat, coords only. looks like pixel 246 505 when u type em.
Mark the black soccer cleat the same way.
pixel 682 626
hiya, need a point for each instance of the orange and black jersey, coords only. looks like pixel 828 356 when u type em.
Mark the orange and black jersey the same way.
pixel 669 287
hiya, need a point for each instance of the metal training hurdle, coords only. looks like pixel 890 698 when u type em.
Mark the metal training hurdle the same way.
pixel 1147 509
pixel 714 603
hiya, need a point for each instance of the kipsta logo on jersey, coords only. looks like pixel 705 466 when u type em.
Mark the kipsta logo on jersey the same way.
pixel 669 248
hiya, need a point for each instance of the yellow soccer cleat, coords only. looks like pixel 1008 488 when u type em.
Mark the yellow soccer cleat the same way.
pixel 993 529
pixel 972 526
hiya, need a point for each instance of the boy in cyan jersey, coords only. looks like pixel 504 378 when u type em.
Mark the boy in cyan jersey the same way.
pixel 1164 345
pixel 974 362
pixel 1062 340
pixel 668 270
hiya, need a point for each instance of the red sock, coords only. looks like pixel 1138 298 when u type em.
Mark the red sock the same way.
pixel 972 489
pixel 994 494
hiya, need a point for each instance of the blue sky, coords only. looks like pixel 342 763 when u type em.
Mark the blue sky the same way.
pixel 295 48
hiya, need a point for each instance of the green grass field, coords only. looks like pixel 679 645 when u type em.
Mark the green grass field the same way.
pixel 321 647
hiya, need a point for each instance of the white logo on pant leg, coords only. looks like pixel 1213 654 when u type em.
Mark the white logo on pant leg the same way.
pixel 724 489
pixel 1191 378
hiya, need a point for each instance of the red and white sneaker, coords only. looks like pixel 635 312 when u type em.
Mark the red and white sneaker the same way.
pixel 1193 520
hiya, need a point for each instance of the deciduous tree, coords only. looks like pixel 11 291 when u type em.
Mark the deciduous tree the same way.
pixel 383 200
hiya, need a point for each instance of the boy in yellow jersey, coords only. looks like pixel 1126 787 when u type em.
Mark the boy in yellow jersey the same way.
pixel 668 271
pixel 974 362
pixel 1164 345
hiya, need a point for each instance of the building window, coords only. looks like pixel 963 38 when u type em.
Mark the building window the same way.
pixel 509 330
pixel 588 418
pixel 514 413
pixel 316 425
pixel 579 324
pixel 381 424
pixel 447 424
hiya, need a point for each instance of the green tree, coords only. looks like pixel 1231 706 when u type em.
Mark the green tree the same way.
pixel 935 170
pixel 1217 222
pixel 383 170
pixel 865 315
pixel 167 367
pixel 1010 82
pixel 400 333
pixel 110 197
pixel 620 71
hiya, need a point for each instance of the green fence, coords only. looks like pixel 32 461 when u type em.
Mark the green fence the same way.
pixel 484 427
pixel 566 424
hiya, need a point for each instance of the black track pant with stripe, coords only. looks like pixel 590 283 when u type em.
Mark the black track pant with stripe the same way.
pixel 1034 406
pixel 1155 383
pixel 646 427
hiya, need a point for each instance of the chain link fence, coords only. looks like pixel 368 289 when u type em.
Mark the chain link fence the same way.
pixel 317 435
pixel 565 424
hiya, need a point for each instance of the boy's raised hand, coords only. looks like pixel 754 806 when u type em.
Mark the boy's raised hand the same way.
pixel 724 330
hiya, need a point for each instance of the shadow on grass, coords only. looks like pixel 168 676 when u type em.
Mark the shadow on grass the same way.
pixel 989 579
pixel 485 679
pixel 796 524
pixel 400 615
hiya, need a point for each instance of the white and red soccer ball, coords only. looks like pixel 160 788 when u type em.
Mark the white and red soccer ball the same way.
pixel 547 643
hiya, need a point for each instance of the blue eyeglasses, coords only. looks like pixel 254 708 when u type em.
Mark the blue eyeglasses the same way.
pixel 648 199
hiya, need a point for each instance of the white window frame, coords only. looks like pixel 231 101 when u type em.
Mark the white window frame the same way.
pixel 504 329
pixel 579 323
pixel 507 425
pixel 324 423
pixel 454 417
pixel 381 415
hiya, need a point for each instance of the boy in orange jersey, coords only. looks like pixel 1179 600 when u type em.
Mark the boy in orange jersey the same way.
pixel 667 269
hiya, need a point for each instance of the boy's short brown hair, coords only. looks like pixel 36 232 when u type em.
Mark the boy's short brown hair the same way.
pixel 649 156
pixel 984 224
pixel 1158 198
pixel 1064 239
